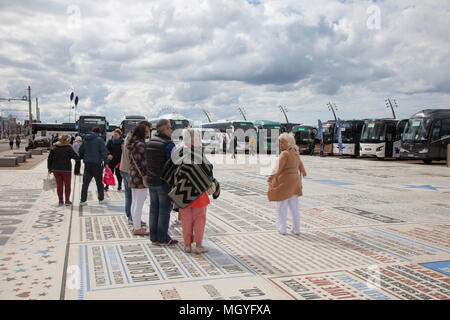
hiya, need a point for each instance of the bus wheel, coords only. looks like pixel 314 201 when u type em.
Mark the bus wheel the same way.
pixel 427 161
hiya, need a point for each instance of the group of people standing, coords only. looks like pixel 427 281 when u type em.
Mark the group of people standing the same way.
pixel 178 178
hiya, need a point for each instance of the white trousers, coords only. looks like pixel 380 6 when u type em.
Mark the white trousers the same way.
pixel 282 208
pixel 138 198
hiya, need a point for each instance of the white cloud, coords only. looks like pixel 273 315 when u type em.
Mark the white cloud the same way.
pixel 122 58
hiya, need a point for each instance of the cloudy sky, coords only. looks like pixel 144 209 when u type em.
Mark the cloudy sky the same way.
pixel 147 57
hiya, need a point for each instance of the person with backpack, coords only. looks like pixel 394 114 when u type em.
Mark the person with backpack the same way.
pixel 93 152
pixel 59 163
pixel 114 147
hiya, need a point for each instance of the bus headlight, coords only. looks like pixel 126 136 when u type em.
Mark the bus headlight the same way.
pixel 380 148
pixel 423 150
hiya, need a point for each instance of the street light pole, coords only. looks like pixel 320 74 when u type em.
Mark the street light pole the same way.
pixel 389 105
pixel 284 110
pixel 330 107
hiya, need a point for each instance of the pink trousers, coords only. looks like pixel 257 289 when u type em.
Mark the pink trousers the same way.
pixel 193 222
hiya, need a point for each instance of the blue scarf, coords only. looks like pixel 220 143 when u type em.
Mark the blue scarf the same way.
pixel 114 141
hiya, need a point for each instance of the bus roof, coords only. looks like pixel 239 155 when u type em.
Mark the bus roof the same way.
pixel 432 113
pixel 266 122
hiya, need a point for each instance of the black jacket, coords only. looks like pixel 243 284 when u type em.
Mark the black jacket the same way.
pixel 157 155
pixel 60 158
pixel 114 149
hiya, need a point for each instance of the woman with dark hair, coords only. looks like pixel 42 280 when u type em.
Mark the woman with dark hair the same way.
pixel 138 180
pixel 59 163
pixel 114 147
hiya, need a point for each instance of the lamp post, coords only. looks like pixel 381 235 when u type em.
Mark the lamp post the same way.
pixel 242 112
pixel 24 98
pixel 391 103
pixel 332 107
pixel 284 111
pixel 207 114
pixel 73 106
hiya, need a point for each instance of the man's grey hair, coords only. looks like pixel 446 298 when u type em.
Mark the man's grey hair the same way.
pixel 162 125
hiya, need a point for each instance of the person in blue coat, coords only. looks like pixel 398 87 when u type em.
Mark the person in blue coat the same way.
pixel 95 156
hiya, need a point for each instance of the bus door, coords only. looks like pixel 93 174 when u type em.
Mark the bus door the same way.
pixel 398 137
pixel 435 144
pixel 445 137
pixel 390 137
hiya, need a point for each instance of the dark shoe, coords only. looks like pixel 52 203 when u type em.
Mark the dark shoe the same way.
pixel 61 203
pixel 119 188
pixel 68 203
pixel 170 243
pixel 106 188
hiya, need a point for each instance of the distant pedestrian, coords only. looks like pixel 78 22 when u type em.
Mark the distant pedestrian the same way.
pixel 159 150
pixel 234 151
pixel 138 179
pixel 192 174
pixel 55 139
pixel 59 163
pixel 93 152
pixel 285 185
pixel 18 141
pixel 252 145
pixel 114 147
pixel 312 144
pixel 224 142
pixel 11 141
pixel 76 147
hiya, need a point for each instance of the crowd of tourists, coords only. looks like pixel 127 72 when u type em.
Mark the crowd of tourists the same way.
pixel 177 178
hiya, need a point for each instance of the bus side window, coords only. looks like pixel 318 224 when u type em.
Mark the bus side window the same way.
pixel 445 128
pixel 435 132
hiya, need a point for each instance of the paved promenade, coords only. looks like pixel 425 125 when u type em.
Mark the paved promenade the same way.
pixel 369 230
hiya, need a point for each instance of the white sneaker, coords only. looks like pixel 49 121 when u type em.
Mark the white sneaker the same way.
pixel 104 201
pixel 82 204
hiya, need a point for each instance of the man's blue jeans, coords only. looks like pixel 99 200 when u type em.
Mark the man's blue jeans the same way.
pixel 128 197
pixel 160 208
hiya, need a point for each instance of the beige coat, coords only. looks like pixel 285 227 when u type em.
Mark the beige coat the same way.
pixel 285 181
pixel 125 160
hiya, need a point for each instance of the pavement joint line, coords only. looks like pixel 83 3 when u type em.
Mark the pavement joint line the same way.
pixel 66 259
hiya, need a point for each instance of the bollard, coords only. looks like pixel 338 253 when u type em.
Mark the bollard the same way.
pixel 448 155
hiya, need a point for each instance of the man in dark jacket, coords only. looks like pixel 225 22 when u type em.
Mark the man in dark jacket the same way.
pixel 159 150
pixel 93 152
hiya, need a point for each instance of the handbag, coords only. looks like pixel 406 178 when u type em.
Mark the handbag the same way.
pixel 108 178
pixel 210 191
pixel 144 179
pixel 49 183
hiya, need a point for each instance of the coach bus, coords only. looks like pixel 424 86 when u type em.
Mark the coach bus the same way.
pixel 129 123
pixel 426 135
pixel 351 135
pixel 328 138
pixel 85 124
pixel 304 137
pixel 226 130
pixel 265 140
pixel 382 138
pixel 177 121
pixel 288 126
